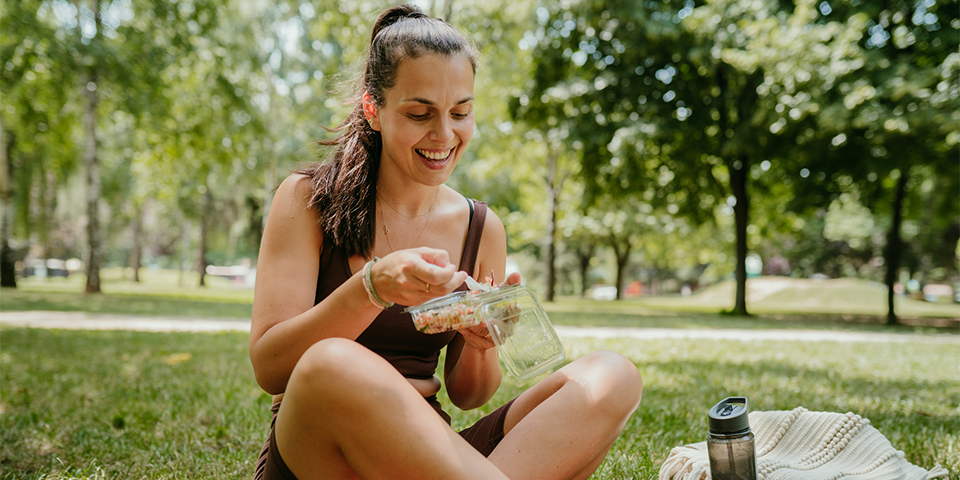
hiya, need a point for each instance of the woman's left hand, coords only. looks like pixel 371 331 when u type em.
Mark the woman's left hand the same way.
pixel 479 336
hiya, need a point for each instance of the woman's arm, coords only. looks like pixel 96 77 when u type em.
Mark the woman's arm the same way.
pixel 471 369
pixel 286 322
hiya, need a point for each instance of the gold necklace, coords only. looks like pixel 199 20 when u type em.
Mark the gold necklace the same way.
pixel 386 231
pixel 384 200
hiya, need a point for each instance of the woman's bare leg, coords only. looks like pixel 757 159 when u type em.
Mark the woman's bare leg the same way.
pixel 348 413
pixel 563 427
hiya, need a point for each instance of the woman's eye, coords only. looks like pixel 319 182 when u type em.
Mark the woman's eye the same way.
pixel 419 117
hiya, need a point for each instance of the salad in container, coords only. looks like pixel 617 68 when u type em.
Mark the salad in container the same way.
pixel 513 315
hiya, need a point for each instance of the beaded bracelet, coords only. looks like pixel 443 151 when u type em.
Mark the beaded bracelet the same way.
pixel 368 286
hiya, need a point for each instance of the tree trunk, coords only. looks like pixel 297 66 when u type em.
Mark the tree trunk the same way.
pixel 135 251
pixel 92 165
pixel 584 255
pixel 48 208
pixel 8 270
pixel 622 253
pixel 204 227
pixel 553 191
pixel 894 251
pixel 738 184
pixel 739 168
pixel 551 255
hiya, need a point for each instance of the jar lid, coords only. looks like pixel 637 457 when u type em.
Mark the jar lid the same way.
pixel 730 416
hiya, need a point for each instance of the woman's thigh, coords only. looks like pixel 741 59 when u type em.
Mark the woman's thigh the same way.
pixel 347 412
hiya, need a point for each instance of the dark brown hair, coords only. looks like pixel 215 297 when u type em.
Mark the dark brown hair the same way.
pixel 345 184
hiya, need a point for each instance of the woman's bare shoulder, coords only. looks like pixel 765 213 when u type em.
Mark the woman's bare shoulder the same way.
pixel 296 187
pixel 493 226
pixel 493 246
pixel 291 212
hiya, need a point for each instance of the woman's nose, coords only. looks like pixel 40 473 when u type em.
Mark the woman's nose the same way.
pixel 442 131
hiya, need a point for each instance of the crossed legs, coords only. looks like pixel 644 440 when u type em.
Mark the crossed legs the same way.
pixel 562 427
pixel 347 413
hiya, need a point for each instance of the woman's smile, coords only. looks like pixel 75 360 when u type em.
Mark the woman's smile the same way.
pixel 436 159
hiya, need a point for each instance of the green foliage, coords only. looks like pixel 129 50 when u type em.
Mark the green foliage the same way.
pixel 206 106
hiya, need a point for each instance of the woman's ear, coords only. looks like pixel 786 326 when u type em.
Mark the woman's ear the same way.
pixel 370 111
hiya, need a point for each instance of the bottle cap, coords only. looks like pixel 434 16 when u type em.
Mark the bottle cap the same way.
pixel 729 417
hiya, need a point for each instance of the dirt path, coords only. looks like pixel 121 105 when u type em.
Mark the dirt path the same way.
pixel 91 321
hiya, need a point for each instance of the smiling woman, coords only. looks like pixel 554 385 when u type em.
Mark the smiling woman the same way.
pixel 354 382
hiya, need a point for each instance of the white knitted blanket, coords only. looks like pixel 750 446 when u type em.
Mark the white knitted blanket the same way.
pixel 804 445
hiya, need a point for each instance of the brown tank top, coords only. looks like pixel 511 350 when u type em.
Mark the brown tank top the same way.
pixel 392 334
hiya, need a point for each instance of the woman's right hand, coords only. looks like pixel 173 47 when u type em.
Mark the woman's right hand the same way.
pixel 414 276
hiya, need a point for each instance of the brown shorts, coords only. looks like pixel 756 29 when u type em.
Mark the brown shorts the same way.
pixel 484 435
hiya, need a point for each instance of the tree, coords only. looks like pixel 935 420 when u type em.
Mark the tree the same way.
pixel 891 125
pixel 118 51
pixel 37 127
pixel 581 235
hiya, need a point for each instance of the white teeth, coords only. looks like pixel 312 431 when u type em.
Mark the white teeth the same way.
pixel 435 155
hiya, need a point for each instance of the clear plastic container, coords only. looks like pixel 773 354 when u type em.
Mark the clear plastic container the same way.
pixel 449 312
pixel 518 325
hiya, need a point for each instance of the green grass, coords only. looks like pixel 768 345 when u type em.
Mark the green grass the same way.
pixel 160 292
pixel 116 404
pixel 93 404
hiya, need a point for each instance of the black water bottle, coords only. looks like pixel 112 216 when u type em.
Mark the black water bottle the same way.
pixel 730 445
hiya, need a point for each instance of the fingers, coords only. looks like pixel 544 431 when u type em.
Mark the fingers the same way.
pixel 434 256
pixel 411 277
pixel 478 337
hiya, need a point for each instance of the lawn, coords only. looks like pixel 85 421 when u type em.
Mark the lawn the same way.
pixel 118 404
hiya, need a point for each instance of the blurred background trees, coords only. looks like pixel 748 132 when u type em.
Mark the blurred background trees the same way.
pixel 651 146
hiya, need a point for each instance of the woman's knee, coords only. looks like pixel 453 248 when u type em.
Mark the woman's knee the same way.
pixel 332 361
pixel 614 379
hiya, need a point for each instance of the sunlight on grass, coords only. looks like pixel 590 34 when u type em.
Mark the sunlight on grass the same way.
pixel 159 282
pixel 794 295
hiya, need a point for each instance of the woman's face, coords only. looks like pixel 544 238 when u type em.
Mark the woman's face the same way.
pixel 427 118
